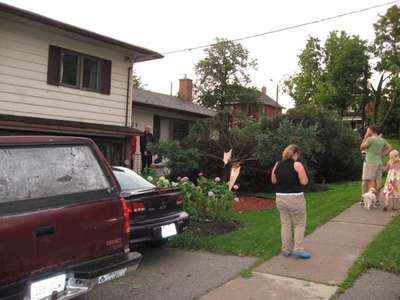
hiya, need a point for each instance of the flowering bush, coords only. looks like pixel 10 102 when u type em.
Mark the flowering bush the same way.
pixel 206 200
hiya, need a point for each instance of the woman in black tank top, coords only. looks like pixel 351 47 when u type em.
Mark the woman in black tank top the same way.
pixel 287 177
pixel 290 177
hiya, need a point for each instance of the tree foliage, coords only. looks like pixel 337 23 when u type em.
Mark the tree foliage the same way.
pixel 386 49
pixel 224 69
pixel 333 75
pixel 338 75
pixel 272 141
pixel 387 41
pixel 303 85
pixel 346 64
pixel 181 161
pixel 136 80
pixel 335 156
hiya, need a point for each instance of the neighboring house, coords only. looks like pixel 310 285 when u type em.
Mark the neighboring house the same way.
pixel 265 106
pixel 169 116
pixel 58 79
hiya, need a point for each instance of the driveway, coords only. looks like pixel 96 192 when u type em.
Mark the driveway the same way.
pixel 169 273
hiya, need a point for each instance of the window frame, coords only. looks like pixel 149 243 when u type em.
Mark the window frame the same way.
pixel 80 70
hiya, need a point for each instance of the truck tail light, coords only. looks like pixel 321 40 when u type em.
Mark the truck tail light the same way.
pixel 127 214
pixel 180 199
pixel 138 207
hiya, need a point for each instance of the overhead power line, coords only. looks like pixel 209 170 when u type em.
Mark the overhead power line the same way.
pixel 353 12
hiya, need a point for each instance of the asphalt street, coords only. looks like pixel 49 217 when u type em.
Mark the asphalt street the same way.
pixel 167 273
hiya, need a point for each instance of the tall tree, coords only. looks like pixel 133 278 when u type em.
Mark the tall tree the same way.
pixel 303 85
pixel 334 75
pixel 386 48
pixel 346 68
pixel 225 67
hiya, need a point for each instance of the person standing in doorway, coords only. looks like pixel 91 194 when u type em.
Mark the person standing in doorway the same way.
pixel 146 139
pixel 377 148
pixel 290 177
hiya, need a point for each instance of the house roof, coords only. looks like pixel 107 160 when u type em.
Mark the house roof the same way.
pixel 142 54
pixel 267 100
pixel 148 98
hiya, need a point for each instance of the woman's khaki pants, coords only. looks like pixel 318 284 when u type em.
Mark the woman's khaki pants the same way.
pixel 292 208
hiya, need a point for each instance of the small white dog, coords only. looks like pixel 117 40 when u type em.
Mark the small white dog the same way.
pixel 369 198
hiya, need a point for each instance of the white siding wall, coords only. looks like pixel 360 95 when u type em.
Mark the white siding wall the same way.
pixel 23 78
pixel 141 118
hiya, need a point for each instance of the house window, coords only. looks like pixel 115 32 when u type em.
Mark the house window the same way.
pixel 90 73
pixel 78 70
pixel 180 130
pixel 69 69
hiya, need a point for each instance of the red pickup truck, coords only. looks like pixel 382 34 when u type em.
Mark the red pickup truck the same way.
pixel 63 226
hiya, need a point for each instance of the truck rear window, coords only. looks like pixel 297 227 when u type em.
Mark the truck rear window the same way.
pixel 38 172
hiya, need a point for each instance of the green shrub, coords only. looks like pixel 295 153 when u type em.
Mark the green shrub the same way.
pixel 149 172
pixel 209 199
pixel 181 160
pixel 338 157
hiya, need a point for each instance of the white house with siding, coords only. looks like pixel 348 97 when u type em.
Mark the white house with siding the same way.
pixel 56 78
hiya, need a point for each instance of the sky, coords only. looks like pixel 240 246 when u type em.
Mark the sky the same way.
pixel 166 25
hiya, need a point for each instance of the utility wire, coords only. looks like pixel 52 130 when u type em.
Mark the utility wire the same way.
pixel 289 27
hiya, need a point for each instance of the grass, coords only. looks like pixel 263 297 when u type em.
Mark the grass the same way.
pixel 260 232
pixel 246 273
pixel 383 253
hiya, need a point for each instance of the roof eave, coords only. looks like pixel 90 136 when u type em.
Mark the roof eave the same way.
pixel 144 54
pixel 172 109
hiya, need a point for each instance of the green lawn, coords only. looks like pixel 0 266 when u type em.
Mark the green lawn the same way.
pixel 382 253
pixel 260 232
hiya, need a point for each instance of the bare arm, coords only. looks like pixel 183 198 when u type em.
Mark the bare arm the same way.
pixel 273 176
pixel 387 149
pixel 364 144
pixel 298 166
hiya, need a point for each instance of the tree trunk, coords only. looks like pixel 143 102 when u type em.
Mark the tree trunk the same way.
pixel 377 94
pixel 389 110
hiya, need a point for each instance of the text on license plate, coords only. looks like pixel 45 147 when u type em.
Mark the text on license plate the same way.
pixel 111 276
pixel 168 230
pixel 44 288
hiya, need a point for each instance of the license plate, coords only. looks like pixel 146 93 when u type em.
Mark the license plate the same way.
pixel 44 288
pixel 168 230
pixel 111 276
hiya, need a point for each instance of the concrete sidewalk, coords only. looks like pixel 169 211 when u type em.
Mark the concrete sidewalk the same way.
pixel 335 247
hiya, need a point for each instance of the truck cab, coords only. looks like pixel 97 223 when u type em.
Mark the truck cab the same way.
pixel 63 227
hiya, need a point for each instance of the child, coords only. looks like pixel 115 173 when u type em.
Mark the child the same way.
pixel 392 184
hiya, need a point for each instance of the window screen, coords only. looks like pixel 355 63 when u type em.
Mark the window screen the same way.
pixel 27 173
